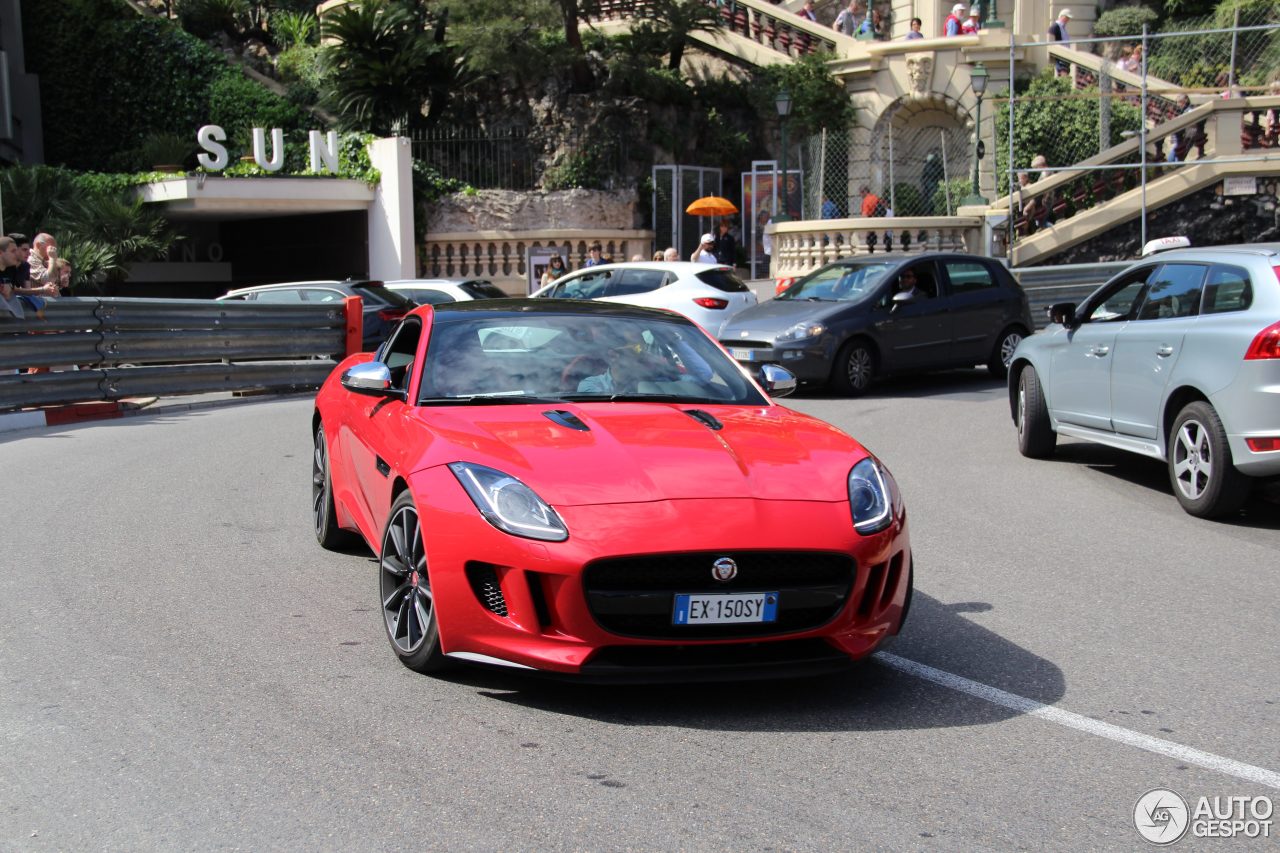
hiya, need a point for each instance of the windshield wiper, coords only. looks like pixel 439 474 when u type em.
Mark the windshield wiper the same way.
pixel 488 400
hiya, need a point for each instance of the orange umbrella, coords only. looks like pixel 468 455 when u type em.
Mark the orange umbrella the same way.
pixel 711 205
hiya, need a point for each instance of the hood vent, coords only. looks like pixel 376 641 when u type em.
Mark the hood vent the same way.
pixel 705 418
pixel 566 419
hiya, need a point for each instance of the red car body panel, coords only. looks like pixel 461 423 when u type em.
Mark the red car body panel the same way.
pixel 644 479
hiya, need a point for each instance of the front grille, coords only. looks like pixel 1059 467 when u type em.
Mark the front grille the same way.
pixel 748 344
pixel 484 583
pixel 635 596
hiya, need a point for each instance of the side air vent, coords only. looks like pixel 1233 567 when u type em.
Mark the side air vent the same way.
pixel 566 419
pixel 484 583
pixel 705 418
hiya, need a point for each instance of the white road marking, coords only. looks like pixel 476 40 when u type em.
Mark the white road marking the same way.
pixel 1022 705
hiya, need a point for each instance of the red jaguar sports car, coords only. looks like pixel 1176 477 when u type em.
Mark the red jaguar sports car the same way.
pixel 599 491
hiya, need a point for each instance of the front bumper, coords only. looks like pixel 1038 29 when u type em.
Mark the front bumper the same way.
pixel 810 360
pixel 545 619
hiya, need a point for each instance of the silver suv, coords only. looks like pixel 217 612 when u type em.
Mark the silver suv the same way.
pixel 1178 358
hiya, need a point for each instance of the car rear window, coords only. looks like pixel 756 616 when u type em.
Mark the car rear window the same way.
pixel 381 294
pixel 483 290
pixel 1227 289
pixel 722 280
pixel 638 281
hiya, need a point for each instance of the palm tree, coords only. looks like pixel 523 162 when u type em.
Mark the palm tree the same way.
pixel 385 63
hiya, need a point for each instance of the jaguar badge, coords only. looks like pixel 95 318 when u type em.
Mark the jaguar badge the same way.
pixel 724 569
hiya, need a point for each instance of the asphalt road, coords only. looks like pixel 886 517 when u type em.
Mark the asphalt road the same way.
pixel 182 668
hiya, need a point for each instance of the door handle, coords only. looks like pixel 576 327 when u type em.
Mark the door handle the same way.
pixel 1099 351
pixel 1164 351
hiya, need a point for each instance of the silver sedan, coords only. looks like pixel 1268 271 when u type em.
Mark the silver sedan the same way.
pixel 1178 358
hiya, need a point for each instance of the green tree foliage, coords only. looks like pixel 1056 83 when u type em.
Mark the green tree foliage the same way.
pixel 388 68
pixel 520 43
pixel 667 25
pixel 1064 130
pixel 101 227
pixel 818 99
pixel 1125 21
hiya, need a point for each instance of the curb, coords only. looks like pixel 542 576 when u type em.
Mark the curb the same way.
pixel 75 413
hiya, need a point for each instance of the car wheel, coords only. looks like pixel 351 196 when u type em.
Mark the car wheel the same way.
pixel 1036 437
pixel 1002 352
pixel 408 606
pixel 328 533
pixel 1204 479
pixel 855 367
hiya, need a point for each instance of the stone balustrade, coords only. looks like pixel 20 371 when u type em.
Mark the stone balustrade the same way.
pixel 502 256
pixel 801 247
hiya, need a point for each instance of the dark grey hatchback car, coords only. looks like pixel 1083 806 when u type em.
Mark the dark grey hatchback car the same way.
pixel 854 320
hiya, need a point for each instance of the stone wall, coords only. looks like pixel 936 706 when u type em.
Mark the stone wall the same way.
pixel 1207 217
pixel 504 210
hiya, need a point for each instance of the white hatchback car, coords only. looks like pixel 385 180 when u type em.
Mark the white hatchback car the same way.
pixel 705 293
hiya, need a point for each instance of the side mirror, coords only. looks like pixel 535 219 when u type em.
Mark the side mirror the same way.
pixel 1064 314
pixel 901 298
pixel 777 381
pixel 373 379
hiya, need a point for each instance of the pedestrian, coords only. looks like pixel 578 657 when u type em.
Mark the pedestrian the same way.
pixel 1058 32
pixel 971 26
pixel 916 26
pixel 595 255
pixel 766 239
pixel 951 26
pixel 849 19
pixel 726 246
pixel 808 12
pixel 870 202
pixel 1041 163
pixel 870 26
pixel 659 255
pixel 931 174
pixel 1180 141
pixel 26 299
pixel 829 209
pixel 555 269
pixel 705 253
pixel 23 272
pixel 670 255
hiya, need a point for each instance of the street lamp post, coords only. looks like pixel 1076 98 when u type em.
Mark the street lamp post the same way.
pixel 783 102
pixel 978 80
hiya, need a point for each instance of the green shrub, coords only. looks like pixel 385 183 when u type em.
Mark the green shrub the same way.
pixel 1125 21
pixel 294 29
pixel 958 189
pixel 237 105
pixel 205 18
pixel 908 201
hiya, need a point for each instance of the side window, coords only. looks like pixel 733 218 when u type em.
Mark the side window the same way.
pixel 1226 289
pixel 586 286
pixel 279 296
pixel 323 294
pixel 637 281
pixel 428 296
pixel 1174 291
pixel 1118 300
pixel 399 352
pixel 968 277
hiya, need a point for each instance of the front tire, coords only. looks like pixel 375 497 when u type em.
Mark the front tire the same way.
pixel 1002 352
pixel 408 605
pixel 325 514
pixel 1036 438
pixel 855 367
pixel 1204 479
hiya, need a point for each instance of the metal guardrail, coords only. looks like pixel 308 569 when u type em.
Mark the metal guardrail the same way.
pixel 1065 283
pixel 152 347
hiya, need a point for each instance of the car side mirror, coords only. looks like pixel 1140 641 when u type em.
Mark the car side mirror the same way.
pixel 777 381
pixel 1064 314
pixel 373 379
pixel 902 297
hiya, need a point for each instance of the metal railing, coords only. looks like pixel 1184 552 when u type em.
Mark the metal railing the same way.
pixel 110 349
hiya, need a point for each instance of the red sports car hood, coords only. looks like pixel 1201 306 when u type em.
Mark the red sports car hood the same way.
pixel 635 452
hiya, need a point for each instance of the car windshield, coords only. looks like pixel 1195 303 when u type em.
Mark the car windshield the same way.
pixel 839 283
pixel 474 357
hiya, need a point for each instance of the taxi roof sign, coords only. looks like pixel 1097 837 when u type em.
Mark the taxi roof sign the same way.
pixel 1163 244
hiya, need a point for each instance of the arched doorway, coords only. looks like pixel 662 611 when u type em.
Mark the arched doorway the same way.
pixel 917 143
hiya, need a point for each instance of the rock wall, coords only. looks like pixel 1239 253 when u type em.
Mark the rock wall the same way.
pixel 1207 217
pixel 505 210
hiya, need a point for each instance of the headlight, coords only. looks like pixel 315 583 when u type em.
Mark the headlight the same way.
pixel 509 504
pixel 869 498
pixel 800 331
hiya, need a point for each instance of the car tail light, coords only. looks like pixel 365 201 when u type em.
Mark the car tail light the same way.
pixel 1266 344
pixel 389 314
pixel 1263 445
pixel 783 284
pixel 712 303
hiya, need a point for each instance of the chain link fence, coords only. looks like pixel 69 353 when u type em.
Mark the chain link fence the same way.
pixel 517 159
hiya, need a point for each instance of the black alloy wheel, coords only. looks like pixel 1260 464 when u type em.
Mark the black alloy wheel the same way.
pixel 325 514
pixel 408 605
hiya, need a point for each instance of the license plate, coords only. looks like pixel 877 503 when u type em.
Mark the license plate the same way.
pixel 742 353
pixel 725 608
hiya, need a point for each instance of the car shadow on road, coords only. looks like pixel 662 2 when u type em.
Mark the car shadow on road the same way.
pixel 871 696
pixel 1261 511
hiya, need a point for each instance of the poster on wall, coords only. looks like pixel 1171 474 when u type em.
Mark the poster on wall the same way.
pixel 760 200
pixel 537 259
